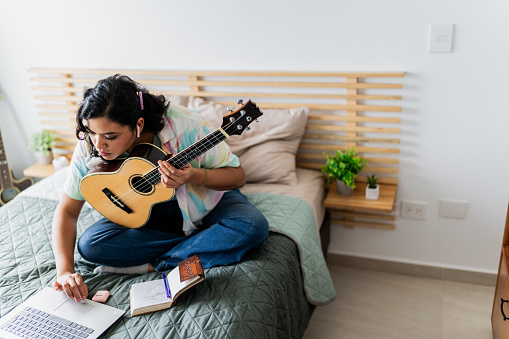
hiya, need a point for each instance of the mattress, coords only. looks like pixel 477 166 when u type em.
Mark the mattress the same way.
pixel 270 294
pixel 309 188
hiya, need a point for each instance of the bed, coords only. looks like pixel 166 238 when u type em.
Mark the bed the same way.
pixel 272 292
pixel 261 297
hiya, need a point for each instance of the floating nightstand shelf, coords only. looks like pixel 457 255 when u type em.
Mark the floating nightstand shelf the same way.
pixel 39 171
pixel 356 210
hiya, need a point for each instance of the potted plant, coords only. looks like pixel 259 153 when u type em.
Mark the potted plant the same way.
pixel 372 189
pixel 343 167
pixel 41 143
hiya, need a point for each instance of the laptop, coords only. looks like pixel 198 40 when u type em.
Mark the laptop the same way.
pixel 51 314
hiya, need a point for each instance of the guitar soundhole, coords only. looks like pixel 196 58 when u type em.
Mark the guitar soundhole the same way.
pixel 141 185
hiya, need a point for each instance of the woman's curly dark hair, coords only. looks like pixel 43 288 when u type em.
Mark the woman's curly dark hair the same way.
pixel 116 98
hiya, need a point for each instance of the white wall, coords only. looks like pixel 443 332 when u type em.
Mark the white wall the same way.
pixel 454 142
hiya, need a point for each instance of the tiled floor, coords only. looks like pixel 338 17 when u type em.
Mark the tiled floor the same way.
pixel 372 304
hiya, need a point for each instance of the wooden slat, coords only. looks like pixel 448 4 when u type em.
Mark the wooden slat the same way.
pixel 329 107
pixel 68 132
pixel 59 97
pixel 255 95
pixel 329 117
pixel 236 94
pixel 69 148
pixel 387 217
pixel 63 89
pixel 368 169
pixel 216 73
pixel 359 178
pixel 391 161
pixel 62 115
pixel 260 104
pixel 358 129
pixel 58 123
pixel 71 139
pixel 350 139
pixel 319 156
pixel 57 107
pixel 381 180
pixel 202 83
pixel 380 169
pixel 65 80
pixel 382 226
pixel 343 148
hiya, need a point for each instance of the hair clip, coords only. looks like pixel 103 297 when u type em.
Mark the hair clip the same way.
pixel 141 99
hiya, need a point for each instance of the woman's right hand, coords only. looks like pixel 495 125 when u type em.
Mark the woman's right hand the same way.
pixel 73 285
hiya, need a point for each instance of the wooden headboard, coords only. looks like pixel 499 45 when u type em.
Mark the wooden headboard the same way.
pixel 347 109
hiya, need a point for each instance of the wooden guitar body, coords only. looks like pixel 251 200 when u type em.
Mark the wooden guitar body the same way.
pixel 10 187
pixel 125 196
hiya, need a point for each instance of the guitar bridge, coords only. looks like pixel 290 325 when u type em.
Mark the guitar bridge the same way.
pixel 116 201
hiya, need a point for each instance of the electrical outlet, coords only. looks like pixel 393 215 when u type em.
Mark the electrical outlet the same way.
pixel 414 209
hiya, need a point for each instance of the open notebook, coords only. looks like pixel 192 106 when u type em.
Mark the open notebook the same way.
pixel 155 295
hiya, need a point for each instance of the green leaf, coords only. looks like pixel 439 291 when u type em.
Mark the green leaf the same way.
pixel 343 166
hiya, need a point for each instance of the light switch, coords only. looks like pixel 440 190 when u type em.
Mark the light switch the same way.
pixel 440 38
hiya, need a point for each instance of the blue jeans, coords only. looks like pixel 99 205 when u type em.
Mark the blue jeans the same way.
pixel 228 232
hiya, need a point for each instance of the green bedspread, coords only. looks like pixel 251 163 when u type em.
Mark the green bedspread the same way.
pixel 269 294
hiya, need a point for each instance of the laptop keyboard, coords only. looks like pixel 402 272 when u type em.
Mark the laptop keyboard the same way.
pixel 33 323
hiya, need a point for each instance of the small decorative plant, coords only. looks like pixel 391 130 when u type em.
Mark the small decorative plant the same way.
pixel 372 189
pixel 372 181
pixel 42 142
pixel 343 166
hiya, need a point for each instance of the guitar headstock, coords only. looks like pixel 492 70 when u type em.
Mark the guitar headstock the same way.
pixel 238 120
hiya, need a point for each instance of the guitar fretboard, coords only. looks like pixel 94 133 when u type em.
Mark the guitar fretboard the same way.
pixel 4 167
pixel 187 155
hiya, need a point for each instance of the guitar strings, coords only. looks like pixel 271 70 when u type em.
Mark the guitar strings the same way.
pixel 154 174
pixel 195 148
pixel 201 146
pixel 184 157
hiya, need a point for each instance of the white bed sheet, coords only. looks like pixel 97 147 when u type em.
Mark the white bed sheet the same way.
pixel 310 188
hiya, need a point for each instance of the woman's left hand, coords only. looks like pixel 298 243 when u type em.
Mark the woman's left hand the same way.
pixel 172 177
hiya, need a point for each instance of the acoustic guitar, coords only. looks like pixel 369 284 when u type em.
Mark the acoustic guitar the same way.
pixel 10 187
pixel 125 191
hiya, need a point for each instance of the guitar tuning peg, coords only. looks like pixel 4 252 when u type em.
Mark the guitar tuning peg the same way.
pixel 257 120
pixel 240 101
pixel 229 108
pixel 248 128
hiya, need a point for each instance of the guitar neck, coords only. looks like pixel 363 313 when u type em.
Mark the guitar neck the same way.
pixel 192 152
pixel 6 180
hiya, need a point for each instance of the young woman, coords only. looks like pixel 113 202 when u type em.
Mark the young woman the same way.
pixel 207 216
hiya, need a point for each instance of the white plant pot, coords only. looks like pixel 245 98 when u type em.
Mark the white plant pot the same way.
pixel 372 193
